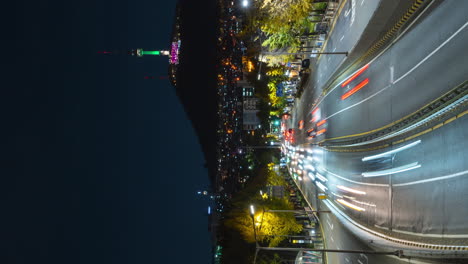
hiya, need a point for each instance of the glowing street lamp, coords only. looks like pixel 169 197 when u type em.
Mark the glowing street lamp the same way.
pixel 245 3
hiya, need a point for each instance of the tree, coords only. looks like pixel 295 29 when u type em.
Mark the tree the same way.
pixel 275 259
pixel 270 227
pixel 281 22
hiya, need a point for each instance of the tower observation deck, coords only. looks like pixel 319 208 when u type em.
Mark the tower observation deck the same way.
pixel 141 52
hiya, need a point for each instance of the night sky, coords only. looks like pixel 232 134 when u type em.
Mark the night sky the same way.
pixel 98 165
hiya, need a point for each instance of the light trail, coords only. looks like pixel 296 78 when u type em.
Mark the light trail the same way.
pixel 320 132
pixel 356 182
pixel 396 170
pixel 391 151
pixel 347 189
pixel 309 167
pixel 350 205
pixel 355 89
pixel 353 224
pixel 354 76
pixel 321 122
pixel 364 203
pixel 320 177
pixel 311 176
pixel 321 186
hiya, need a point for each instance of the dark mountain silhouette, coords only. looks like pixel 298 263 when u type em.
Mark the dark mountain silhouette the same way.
pixel 196 81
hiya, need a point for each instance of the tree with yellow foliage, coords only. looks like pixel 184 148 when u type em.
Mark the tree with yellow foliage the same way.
pixel 270 228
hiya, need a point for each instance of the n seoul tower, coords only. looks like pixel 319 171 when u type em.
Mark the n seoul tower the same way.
pixel 141 52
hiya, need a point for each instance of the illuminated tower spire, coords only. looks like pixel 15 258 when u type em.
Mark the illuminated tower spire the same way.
pixel 141 52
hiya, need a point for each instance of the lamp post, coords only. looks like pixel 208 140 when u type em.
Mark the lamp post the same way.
pixel 398 253
pixel 252 213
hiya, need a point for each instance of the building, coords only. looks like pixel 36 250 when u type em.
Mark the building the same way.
pixel 250 120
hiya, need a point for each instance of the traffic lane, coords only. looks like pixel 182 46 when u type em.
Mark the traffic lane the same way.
pixel 348 29
pixel 369 199
pixel 441 205
pixel 442 152
pixel 418 86
pixel 339 237
pixel 362 245
pixel 391 102
pixel 307 185
pixel 363 196
pixel 430 33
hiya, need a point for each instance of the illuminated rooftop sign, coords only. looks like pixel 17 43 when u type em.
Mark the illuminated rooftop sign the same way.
pixel 174 57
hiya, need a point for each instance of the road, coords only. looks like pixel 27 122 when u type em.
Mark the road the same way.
pixel 425 203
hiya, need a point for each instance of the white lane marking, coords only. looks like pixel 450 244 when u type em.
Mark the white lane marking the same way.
pixel 431 235
pixel 362 2
pixel 342 37
pixel 432 53
pixel 331 238
pixel 458 174
pixel 347 259
pixel 364 256
pixel 346 13
pixel 391 74
pixel 359 261
pixel 334 49
pixel 353 12
pixel 330 225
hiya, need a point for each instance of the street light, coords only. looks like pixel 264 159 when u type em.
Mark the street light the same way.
pixel 245 3
pixel 398 253
pixel 252 213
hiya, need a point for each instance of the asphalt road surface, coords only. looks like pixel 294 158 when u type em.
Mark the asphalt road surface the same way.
pixel 424 197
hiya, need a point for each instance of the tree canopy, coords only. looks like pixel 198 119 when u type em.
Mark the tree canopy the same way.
pixel 270 228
